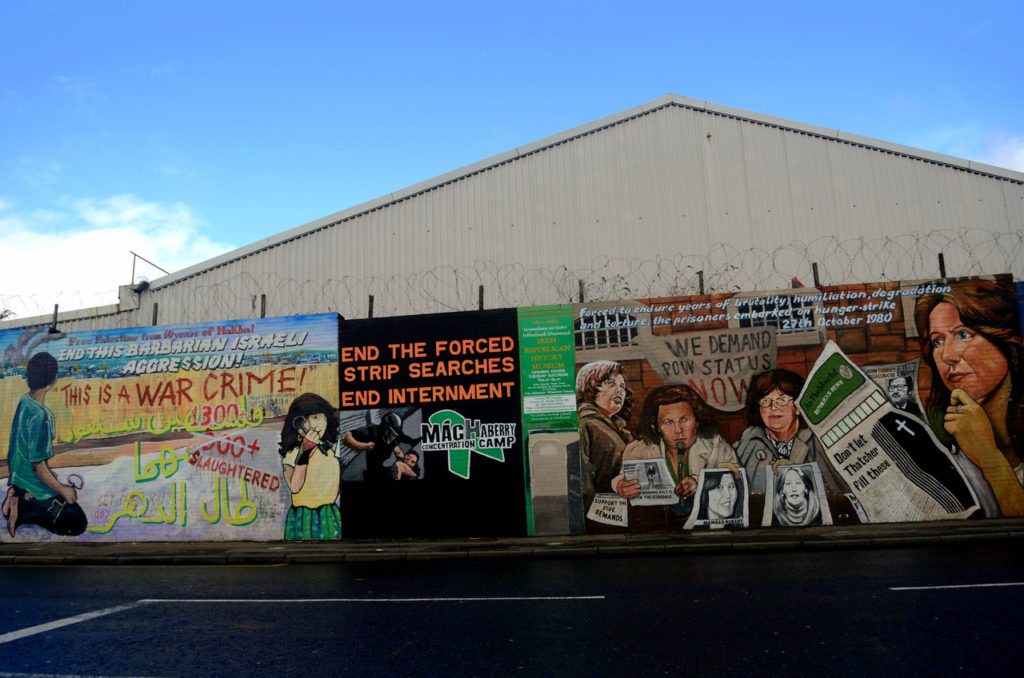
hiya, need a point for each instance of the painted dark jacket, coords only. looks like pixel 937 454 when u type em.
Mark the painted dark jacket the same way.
pixel 602 440
pixel 756 450
pixel 381 452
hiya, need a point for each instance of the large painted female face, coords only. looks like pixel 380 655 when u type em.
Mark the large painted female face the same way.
pixel 778 412
pixel 611 394
pixel 793 488
pixel 677 424
pixel 965 358
pixel 722 499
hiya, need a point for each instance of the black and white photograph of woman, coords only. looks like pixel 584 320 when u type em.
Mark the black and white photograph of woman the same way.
pixel 795 498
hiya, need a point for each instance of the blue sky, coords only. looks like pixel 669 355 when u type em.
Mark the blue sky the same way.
pixel 180 130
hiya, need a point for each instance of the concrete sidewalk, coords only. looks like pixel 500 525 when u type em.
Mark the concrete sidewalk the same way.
pixel 61 552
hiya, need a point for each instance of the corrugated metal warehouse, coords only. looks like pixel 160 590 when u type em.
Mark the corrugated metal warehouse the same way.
pixel 656 200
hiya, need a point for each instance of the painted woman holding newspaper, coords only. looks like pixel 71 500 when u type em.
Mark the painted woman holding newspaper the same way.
pixel 679 427
pixel 970 337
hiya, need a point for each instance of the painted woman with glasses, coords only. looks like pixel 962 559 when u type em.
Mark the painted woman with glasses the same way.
pixel 776 434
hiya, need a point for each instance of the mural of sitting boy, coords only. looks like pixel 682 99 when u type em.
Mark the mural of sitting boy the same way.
pixel 35 496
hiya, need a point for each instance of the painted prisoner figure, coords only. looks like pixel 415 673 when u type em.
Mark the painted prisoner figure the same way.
pixel 35 496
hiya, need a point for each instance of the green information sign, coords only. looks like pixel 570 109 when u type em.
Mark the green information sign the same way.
pixel 547 354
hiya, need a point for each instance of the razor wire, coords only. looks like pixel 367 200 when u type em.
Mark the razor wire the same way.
pixel 723 268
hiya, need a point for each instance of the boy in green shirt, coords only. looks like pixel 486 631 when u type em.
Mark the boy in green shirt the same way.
pixel 34 495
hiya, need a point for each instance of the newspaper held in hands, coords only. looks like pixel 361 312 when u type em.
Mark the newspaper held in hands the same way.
pixel 657 488
pixel 891 460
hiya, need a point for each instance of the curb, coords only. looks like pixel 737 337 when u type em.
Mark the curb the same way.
pixel 593 546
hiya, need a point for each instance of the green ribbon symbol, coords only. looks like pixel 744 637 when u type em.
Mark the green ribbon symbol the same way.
pixel 458 459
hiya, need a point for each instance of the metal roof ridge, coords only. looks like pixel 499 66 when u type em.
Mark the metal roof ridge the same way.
pixel 857 139
pixel 563 137
pixel 62 317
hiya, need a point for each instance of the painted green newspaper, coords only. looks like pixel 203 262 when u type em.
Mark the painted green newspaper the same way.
pixel 895 466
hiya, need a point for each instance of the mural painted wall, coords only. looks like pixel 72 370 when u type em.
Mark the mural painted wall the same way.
pixel 156 433
pixel 431 426
pixel 880 402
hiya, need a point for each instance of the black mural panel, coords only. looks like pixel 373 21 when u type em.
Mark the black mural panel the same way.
pixel 430 415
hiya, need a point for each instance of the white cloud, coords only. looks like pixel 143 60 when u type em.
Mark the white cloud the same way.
pixel 962 141
pixel 161 72
pixel 1004 150
pixel 78 253
pixel 79 88
pixel 39 174
pixel 993 147
pixel 976 31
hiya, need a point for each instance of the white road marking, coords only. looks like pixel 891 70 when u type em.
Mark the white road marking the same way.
pixel 68 621
pixel 47 675
pixel 954 586
pixel 368 600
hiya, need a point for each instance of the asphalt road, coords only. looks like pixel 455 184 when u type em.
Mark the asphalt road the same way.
pixel 847 612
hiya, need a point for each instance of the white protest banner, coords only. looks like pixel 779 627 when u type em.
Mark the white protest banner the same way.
pixel 609 509
pixel 718 364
